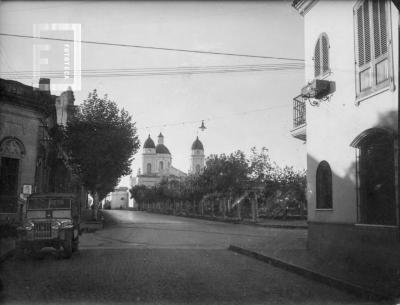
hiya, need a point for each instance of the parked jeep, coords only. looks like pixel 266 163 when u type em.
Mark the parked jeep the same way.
pixel 51 220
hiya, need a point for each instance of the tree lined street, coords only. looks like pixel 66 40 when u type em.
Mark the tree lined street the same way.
pixel 146 258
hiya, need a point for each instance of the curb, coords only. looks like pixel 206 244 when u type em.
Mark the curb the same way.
pixel 316 276
pixel 293 227
pixel 236 221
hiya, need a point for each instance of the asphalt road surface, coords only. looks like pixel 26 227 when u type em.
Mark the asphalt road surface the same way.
pixel 142 258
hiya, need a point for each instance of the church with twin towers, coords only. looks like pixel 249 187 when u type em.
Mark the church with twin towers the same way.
pixel 157 162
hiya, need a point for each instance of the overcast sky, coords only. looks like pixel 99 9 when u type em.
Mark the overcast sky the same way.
pixel 240 109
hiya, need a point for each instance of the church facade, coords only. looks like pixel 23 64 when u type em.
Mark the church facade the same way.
pixel 157 162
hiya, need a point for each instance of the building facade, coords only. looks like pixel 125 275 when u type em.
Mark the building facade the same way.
pixel 156 163
pixel 119 198
pixel 197 157
pixel 351 98
pixel 31 160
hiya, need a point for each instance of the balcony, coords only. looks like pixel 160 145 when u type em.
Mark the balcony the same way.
pixel 299 118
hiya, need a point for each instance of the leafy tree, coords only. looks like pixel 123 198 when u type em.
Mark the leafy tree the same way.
pixel 226 173
pixel 229 176
pixel 261 168
pixel 100 140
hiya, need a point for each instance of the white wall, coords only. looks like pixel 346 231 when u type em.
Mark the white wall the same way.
pixel 119 199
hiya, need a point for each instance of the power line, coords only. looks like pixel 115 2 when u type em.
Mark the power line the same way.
pixel 215 118
pixel 126 72
pixel 160 73
pixel 157 69
pixel 274 65
pixel 154 48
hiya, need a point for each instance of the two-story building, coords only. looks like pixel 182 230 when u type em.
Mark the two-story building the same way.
pixel 351 98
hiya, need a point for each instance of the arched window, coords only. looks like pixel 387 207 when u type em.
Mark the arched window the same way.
pixel 376 176
pixel 324 186
pixel 149 168
pixel 321 56
pixel 197 168
pixel 161 165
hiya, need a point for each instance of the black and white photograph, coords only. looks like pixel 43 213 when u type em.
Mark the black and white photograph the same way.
pixel 199 152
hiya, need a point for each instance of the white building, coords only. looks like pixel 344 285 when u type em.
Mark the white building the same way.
pixel 119 199
pixel 351 130
pixel 157 162
pixel 197 157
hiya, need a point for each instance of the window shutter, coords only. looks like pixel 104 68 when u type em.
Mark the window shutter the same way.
pixel 363 34
pixel 360 36
pixel 380 27
pixel 325 54
pixel 382 13
pixel 317 59
pixel 377 40
pixel 367 35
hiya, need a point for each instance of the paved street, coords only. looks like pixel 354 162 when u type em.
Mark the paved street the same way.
pixel 146 258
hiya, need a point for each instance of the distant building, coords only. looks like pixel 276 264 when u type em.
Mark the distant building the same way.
pixel 119 199
pixel 351 98
pixel 31 160
pixel 197 157
pixel 157 163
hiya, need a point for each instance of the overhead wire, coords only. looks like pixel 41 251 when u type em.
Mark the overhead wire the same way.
pixel 154 47
pixel 152 71
pixel 214 118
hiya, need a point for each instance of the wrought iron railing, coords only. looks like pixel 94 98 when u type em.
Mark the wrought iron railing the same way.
pixel 299 111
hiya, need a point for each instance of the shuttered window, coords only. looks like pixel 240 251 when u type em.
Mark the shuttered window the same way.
pixel 321 56
pixel 373 58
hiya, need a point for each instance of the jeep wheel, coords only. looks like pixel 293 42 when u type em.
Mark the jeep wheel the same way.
pixel 67 246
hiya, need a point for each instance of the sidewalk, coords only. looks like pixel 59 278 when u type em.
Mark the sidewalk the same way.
pixel 88 224
pixel 293 256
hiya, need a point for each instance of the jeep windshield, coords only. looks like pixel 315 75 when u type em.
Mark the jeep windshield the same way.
pixel 49 203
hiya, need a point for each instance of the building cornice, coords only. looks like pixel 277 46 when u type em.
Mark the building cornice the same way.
pixel 18 94
pixel 304 6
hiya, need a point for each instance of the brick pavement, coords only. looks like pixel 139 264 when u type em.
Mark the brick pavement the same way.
pixel 158 259
pixel 159 276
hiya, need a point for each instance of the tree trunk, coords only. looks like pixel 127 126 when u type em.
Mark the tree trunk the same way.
pixel 254 209
pixel 95 208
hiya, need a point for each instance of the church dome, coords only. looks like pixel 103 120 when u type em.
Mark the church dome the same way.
pixel 162 149
pixel 197 145
pixel 149 143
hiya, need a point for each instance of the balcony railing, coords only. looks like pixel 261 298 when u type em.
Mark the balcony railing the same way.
pixel 299 118
pixel 299 111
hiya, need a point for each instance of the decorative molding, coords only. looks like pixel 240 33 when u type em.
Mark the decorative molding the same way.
pixel 12 147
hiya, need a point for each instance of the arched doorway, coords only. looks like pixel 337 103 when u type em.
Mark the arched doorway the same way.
pixel 11 152
pixel 376 176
